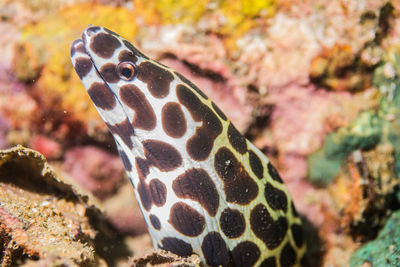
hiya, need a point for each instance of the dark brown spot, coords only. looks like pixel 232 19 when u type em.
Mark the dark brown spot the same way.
pixel 269 262
pixel 186 220
pixel 237 141
pixel 239 187
pixel 158 79
pixel 218 111
pixel 177 246
pixel 264 227
pixel 215 250
pixel 158 192
pixel 104 45
pixel 173 120
pixel 274 173
pixel 144 194
pixel 125 160
pixel 161 155
pixel 124 130
pixel 197 185
pixel 126 55
pixel 134 50
pixel 192 85
pixel 294 211
pixel 83 66
pixel 256 165
pixel 288 256
pixel 232 223
pixel 77 46
pixel 155 222
pixel 135 99
pixel 108 73
pixel 200 144
pixel 276 199
pixel 297 233
pixel 142 168
pixel 110 32
pixel 245 254
pixel 102 96
pixel 93 29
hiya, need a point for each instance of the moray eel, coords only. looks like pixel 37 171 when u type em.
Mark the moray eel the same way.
pixel 202 187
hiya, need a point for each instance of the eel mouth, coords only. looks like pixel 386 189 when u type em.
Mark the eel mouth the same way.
pixel 99 90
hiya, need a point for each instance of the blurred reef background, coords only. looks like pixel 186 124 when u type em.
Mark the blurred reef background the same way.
pixel 314 84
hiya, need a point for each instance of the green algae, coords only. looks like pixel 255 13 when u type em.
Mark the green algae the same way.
pixel 384 250
pixel 367 130
pixel 363 133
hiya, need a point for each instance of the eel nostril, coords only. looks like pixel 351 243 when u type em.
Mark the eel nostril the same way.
pixel 92 30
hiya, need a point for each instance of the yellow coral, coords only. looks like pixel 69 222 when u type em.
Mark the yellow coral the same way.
pixel 237 16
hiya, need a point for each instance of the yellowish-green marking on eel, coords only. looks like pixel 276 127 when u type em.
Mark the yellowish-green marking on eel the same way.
pixel 202 187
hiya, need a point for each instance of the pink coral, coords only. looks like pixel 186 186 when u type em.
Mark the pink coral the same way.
pixel 46 146
pixel 94 169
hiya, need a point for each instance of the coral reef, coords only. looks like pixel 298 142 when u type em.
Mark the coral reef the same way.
pixel 314 84
pixel 384 250
pixel 97 171
pixel 36 206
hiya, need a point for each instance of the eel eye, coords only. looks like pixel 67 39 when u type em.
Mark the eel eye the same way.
pixel 126 70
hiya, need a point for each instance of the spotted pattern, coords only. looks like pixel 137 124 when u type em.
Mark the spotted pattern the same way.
pixel 156 78
pixel 104 45
pixel 134 98
pixel 239 187
pixel 145 195
pixel 237 141
pixel 142 168
pixel 275 197
pixel 155 222
pixel 125 160
pixel 162 155
pixel 109 73
pixel 191 85
pixel 158 192
pixel 264 227
pixel 297 233
pixel 78 47
pixel 127 56
pixel 83 66
pixel 153 193
pixel 274 173
pixel 245 254
pixel 200 144
pixel 219 112
pixel 173 120
pixel 101 96
pixel 186 220
pixel 256 165
pixel 269 262
pixel 177 246
pixel 288 256
pixel 202 187
pixel 133 49
pixel 215 249
pixel 232 223
pixel 124 130
pixel 197 185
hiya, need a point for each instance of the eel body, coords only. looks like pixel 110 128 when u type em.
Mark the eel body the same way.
pixel 202 187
